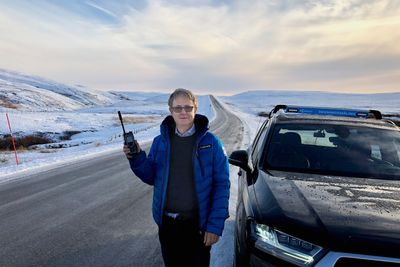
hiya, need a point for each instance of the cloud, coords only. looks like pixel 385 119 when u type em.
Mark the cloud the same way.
pixel 207 45
pixel 102 9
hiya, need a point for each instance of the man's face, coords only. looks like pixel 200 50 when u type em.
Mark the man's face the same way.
pixel 183 118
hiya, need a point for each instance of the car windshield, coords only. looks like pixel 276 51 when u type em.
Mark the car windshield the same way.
pixel 335 150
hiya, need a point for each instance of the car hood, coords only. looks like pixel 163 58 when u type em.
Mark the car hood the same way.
pixel 341 213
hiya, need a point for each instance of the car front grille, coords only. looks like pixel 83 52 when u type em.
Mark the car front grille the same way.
pixel 345 262
pixel 341 259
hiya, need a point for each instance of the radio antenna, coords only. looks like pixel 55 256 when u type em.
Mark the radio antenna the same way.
pixel 122 123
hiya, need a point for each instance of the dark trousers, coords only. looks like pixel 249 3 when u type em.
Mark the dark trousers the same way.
pixel 182 244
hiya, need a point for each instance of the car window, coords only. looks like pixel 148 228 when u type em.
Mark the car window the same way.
pixel 257 137
pixel 335 150
pixel 308 138
pixel 259 146
pixel 258 140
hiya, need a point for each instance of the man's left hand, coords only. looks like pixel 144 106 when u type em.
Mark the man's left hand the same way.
pixel 210 239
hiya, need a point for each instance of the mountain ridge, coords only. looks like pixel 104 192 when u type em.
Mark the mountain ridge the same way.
pixel 32 93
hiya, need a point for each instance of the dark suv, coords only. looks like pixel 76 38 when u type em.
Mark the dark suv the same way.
pixel 319 187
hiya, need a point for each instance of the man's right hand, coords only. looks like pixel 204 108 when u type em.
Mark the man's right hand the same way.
pixel 127 151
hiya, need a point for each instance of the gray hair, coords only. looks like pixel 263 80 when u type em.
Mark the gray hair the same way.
pixel 182 92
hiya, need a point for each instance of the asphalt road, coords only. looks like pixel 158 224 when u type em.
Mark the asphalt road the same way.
pixel 93 213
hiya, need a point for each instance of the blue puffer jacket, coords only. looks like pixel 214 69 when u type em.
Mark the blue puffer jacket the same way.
pixel 210 168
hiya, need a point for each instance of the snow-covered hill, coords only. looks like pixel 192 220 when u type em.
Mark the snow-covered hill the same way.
pixel 257 101
pixel 140 96
pixel 30 93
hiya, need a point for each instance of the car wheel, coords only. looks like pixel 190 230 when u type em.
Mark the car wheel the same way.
pixel 241 258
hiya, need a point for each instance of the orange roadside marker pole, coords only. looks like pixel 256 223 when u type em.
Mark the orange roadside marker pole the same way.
pixel 12 140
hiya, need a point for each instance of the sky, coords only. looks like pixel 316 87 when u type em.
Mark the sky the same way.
pixel 221 47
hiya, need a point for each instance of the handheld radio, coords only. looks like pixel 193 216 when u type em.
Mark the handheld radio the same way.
pixel 129 138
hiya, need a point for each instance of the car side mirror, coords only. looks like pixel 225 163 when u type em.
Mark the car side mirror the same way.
pixel 240 158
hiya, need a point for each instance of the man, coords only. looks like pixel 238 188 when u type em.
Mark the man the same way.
pixel 189 170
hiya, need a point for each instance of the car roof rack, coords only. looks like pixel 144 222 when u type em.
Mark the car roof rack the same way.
pixel 325 111
pixel 391 122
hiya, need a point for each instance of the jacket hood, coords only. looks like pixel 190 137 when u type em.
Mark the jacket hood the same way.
pixel 200 121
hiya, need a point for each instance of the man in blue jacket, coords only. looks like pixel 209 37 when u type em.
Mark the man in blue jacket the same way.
pixel 188 168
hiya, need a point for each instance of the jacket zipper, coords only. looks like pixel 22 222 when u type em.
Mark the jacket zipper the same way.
pixel 164 181
pixel 200 164
pixel 196 156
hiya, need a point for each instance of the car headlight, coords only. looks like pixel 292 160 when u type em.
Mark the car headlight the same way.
pixel 284 246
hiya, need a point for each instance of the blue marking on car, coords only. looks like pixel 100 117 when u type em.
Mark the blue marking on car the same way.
pixel 328 111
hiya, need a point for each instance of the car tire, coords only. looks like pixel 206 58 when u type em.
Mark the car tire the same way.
pixel 241 257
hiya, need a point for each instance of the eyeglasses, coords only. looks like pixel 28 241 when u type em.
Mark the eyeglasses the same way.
pixel 178 109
